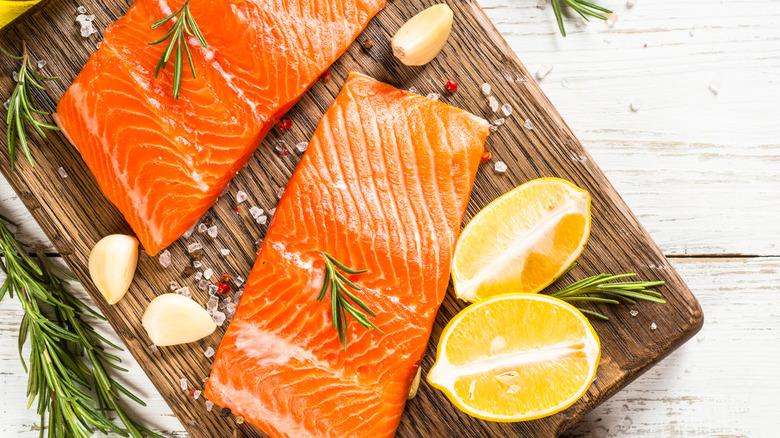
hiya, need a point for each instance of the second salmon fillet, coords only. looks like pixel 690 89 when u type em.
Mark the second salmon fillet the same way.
pixel 383 186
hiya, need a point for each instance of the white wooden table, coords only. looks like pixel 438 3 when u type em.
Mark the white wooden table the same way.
pixel 699 163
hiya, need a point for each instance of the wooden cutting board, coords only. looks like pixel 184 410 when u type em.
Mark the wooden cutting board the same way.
pixel 75 215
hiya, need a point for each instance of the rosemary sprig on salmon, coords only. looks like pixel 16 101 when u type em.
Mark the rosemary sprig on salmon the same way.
pixel 21 108
pixel 342 301
pixel 184 26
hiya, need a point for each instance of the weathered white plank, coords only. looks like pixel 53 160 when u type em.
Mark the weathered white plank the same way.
pixel 28 230
pixel 722 383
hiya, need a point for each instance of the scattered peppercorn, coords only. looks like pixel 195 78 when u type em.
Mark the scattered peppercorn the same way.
pixel 240 419
pixel 325 77
pixel 225 413
pixel 192 392
pixel 486 156
pixel 224 278
pixel 237 210
pixel 188 270
pixel 197 254
pixel 368 44
pixel 285 123
pixel 452 86
pixel 207 220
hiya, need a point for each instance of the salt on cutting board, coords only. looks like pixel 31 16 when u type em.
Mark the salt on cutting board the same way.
pixel 532 142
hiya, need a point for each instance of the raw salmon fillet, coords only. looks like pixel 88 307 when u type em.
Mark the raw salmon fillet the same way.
pixel 383 186
pixel 163 162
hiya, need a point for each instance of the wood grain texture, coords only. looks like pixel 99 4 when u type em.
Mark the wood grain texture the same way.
pixel 476 53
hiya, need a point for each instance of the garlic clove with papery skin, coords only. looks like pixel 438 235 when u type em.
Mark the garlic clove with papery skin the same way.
pixel 173 319
pixel 112 264
pixel 421 38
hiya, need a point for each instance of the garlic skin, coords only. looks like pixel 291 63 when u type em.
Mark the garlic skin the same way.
pixel 173 319
pixel 421 38
pixel 112 264
pixel 415 385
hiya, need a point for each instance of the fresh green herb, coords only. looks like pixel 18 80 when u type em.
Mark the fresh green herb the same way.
pixel 582 7
pixel 21 107
pixel 596 289
pixel 184 26
pixel 340 297
pixel 68 363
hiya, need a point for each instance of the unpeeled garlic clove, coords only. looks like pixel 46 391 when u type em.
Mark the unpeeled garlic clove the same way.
pixel 415 385
pixel 173 319
pixel 421 38
pixel 112 265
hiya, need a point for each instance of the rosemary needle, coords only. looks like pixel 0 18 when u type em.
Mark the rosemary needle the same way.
pixel 183 26
pixel 342 300
pixel 21 108
pixel 582 7
pixel 68 365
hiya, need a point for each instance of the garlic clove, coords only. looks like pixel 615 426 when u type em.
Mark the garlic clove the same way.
pixel 421 38
pixel 415 385
pixel 112 265
pixel 173 319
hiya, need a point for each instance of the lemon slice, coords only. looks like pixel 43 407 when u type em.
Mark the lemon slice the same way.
pixel 516 357
pixel 522 241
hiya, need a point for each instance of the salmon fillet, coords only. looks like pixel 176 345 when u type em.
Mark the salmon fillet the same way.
pixel 383 186
pixel 163 162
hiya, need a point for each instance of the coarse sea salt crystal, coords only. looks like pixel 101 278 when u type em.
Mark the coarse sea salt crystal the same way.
pixel 209 405
pixel 635 105
pixel 541 4
pixel 630 3
pixel 198 275
pixel 564 83
pixel 185 291
pixel 301 147
pixel 262 220
pixel 612 18
pixel 271 211
pixel 212 304
pixel 197 264
pixel 81 10
pixel 153 348
pixel 62 172
pixel 500 167
pixel 15 76
pixel 194 246
pixel 87 29
pixel 280 192
pixel 209 352
pixel 165 258
pixel 714 87
pixel 7 104
pixel 499 122
pixel 241 196
pixel 653 326
pixel 224 251
pixel 174 285
pixel 237 295
pixel 183 384
pixel 493 128
pixel 213 231
pixel 486 90
pixel 196 394
pixel 239 280
pixel 433 96
pixel 634 312
pixel 225 190
pixel 506 109
pixel 493 103
pixel 218 317
pixel 203 285
pixel 189 231
pixel 413 90
pixel 213 290
pixel 255 212
pixel 528 125
pixel 230 309
pixel 202 228
pixel 208 273
pixel 543 71
pixel 41 63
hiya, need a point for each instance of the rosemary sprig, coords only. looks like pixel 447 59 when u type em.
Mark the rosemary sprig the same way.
pixel 340 297
pixel 183 26
pixel 597 289
pixel 68 363
pixel 582 7
pixel 21 107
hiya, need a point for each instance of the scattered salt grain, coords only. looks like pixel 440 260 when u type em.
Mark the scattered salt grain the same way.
pixel 280 192
pixel 203 284
pixel 564 83
pixel 198 275
pixel 218 317
pixel 634 312
pixel 528 125
pixel 212 304
pixel 237 295
pixel 174 285
pixel 153 348
pixel 230 309
pixel 197 264
pixel 213 231
pixel 412 90
pixel 256 212
pixel 635 105
pixel 208 273
pixel 15 76
pixel 486 90
pixel 241 196
pixel 498 122
pixel 692 32
pixel 185 291
pixel 81 10
pixel 715 87
pixel 493 128
pixel 62 172
pixel 262 220
pixel 213 290
pixel 493 103
pixel 612 18
pixel 541 4
pixel 7 103
pixel 500 167
pixel 209 352
pixel 700 337
pixel 87 29
pixel 202 228
pixel 506 109
pixel 41 63
pixel 196 394
pixel 225 190
pixel 183 384
pixel 630 3
pixel 209 405
pixel 271 211
pixel 301 147
pixel 165 258
pixel 653 326
pixel 543 71
pixel 189 232
pixel 224 251
pixel 194 246
pixel 433 96
pixel 239 280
